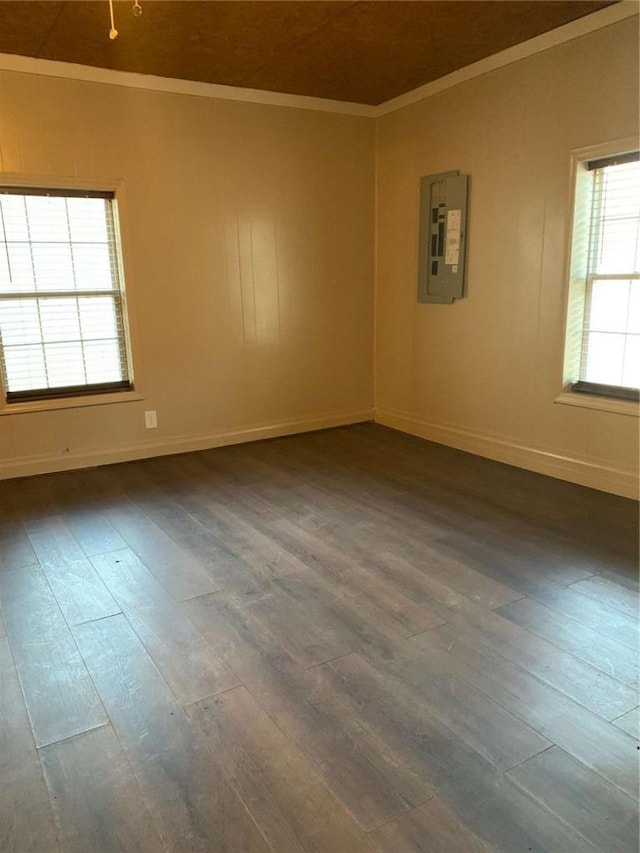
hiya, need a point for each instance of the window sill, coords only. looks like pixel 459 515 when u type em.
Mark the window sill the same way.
pixel 70 403
pixel 602 404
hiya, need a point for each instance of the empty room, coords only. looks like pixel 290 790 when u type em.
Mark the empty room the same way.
pixel 319 426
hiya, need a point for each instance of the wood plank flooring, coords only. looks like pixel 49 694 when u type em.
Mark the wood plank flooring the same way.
pixel 348 641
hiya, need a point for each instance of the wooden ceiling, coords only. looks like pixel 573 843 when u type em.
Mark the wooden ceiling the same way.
pixel 366 51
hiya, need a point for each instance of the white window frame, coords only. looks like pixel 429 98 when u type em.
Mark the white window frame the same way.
pixel 132 394
pixel 576 279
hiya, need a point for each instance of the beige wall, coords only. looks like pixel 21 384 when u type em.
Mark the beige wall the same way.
pixel 249 254
pixel 250 259
pixel 482 374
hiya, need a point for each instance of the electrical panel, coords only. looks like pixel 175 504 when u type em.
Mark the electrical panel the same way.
pixel 443 232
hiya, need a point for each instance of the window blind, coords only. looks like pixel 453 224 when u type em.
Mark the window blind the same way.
pixel 610 354
pixel 62 318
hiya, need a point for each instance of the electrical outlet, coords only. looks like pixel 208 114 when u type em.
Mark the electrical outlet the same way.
pixel 151 419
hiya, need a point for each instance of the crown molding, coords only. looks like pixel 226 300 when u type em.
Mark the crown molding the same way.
pixel 149 82
pixel 568 32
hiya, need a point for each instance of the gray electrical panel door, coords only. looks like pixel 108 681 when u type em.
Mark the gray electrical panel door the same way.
pixel 443 231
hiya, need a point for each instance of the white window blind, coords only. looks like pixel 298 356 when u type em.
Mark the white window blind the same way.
pixel 610 354
pixel 62 318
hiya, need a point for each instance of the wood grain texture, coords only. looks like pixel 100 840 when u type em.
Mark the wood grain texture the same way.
pixel 193 805
pixel 26 820
pixel 81 594
pixel 188 663
pixel 588 685
pixel 509 560
pixel 307 640
pixel 482 798
pixel 372 788
pixel 487 727
pixel 586 736
pixel 584 643
pixel 600 616
pixel 59 694
pixel 94 533
pixel 630 722
pixel 98 803
pixel 603 815
pixel 349 640
pixel 129 580
pixel 15 548
pixel 384 599
pixel 430 827
pixel 241 538
pixel 274 778
pixel 375 517
pixel 177 571
pixel 190 666
pixel 611 593
pixel 167 497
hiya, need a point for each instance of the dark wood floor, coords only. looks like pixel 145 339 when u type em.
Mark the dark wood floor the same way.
pixel 345 641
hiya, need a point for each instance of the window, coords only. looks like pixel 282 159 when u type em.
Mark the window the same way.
pixel 603 335
pixel 62 312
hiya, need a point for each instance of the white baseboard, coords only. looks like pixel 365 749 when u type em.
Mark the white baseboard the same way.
pixel 47 464
pixel 574 470
pixel 594 475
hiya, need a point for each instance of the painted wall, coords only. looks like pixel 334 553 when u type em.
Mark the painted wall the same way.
pixel 249 238
pixel 249 257
pixel 482 374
